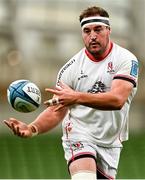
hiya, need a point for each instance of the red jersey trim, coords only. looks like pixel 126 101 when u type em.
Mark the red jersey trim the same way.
pixel 107 176
pixel 91 57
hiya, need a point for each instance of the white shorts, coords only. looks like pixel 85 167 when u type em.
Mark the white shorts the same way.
pixel 107 159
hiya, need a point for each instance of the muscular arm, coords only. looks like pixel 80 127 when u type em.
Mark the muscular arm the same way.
pixel 111 100
pixel 48 119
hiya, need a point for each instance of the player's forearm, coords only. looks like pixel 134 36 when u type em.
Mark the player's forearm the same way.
pixel 102 101
pixel 48 119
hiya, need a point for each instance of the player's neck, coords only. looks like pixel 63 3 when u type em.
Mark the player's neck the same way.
pixel 96 57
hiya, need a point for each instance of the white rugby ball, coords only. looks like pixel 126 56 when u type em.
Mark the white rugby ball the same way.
pixel 24 96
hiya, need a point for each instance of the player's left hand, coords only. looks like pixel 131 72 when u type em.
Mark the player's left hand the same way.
pixel 19 128
pixel 65 96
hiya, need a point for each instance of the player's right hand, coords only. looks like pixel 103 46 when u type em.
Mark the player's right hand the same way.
pixel 19 128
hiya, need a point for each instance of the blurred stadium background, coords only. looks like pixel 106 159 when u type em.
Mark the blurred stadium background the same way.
pixel 36 38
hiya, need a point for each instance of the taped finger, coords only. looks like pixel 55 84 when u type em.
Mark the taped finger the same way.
pixel 52 102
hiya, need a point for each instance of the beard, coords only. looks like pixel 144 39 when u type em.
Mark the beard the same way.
pixel 97 49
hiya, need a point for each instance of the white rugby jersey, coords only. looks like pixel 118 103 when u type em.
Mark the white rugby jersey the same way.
pixel 82 73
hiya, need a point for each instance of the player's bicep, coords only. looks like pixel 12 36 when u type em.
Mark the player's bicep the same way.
pixel 121 88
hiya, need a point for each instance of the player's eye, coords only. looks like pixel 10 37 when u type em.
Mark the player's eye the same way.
pixel 98 30
pixel 86 30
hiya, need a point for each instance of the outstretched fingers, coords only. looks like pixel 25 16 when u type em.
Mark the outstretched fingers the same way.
pixel 11 122
pixel 15 128
pixel 60 107
pixel 7 123
pixel 14 125
pixel 63 85
pixel 53 91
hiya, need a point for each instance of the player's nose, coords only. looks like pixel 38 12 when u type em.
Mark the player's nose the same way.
pixel 93 36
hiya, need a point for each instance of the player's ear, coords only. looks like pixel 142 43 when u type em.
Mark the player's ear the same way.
pixel 109 28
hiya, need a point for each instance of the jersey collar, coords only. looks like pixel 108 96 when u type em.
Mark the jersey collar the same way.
pixel 91 57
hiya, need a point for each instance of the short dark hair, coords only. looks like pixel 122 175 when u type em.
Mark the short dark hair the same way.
pixel 93 11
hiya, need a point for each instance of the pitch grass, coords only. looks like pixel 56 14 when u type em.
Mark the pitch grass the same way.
pixel 42 158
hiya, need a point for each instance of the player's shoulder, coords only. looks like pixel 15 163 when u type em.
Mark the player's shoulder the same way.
pixel 72 62
pixel 75 59
pixel 123 53
pixel 79 54
pixel 69 68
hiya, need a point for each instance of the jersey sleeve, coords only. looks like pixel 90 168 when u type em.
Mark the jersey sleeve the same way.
pixel 66 72
pixel 128 70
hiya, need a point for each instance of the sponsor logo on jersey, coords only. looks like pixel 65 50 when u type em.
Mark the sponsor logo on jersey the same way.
pixel 97 87
pixel 64 68
pixel 77 146
pixel 110 68
pixel 134 68
pixel 82 75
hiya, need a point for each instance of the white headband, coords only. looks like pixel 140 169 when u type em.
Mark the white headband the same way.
pixel 99 20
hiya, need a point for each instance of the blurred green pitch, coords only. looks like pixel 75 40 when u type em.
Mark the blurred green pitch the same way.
pixel 42 157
